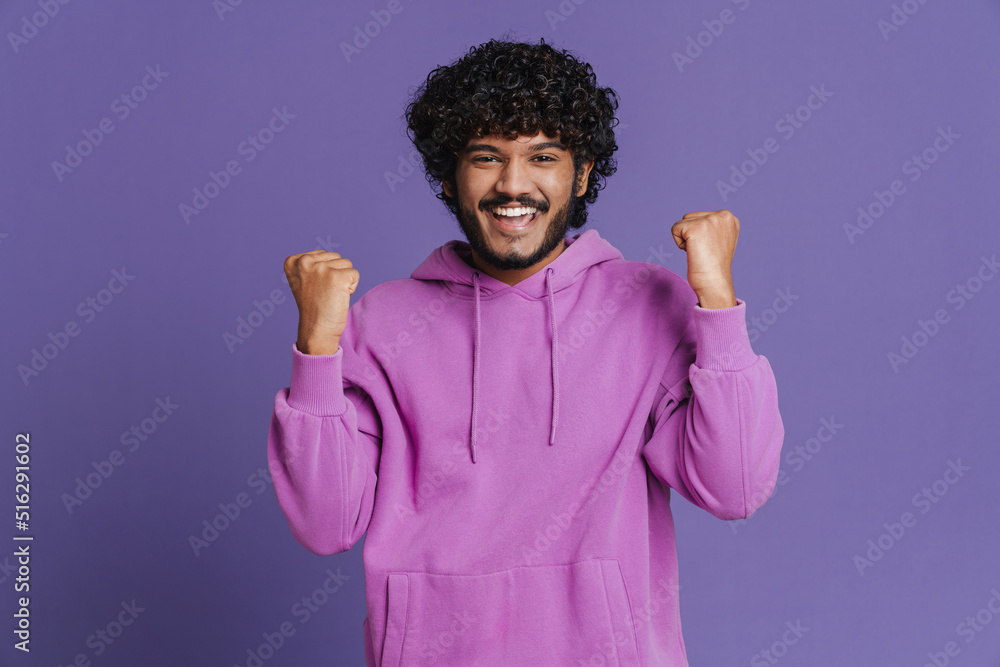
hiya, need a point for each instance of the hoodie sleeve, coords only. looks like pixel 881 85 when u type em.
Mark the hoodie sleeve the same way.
pixel 324 468
pixel 716 430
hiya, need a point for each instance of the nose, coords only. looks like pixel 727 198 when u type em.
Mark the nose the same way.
pixel 514 180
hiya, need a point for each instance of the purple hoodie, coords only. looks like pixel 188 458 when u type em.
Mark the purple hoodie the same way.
pixel 511 451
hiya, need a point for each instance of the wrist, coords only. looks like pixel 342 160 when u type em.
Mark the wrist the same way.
pixel 325 345
pixel 716 299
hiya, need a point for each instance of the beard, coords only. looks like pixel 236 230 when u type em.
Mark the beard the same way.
pixel 555 234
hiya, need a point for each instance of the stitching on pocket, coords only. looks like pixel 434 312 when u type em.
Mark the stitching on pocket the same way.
pixel 618 578
pixel 395 634
pixel 412 591
pixel 369 649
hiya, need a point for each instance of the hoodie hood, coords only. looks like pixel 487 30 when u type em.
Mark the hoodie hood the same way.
pixel 450 264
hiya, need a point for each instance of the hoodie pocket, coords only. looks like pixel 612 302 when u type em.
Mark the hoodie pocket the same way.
pixel 575 615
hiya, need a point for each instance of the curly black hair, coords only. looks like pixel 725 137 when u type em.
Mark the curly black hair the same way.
pixel 510 89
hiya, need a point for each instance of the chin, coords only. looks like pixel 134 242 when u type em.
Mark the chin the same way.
pixel 493 245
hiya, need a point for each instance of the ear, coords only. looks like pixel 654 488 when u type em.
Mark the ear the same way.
pixel 446 186
pixel 581 184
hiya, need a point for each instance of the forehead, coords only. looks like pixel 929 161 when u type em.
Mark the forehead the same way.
pixel 521 142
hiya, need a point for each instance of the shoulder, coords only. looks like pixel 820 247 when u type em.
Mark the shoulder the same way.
pixel 648 281
pixel 392 296
pixel 388 306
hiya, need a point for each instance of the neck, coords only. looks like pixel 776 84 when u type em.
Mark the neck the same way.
pixel 514 276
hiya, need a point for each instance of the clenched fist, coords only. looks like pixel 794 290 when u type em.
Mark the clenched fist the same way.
pixel 709 239
pixel 322 283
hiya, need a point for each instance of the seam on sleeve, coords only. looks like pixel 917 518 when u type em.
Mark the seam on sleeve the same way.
pixel 684 338
pixel 344 491
pixel 743 445
pixel 731 370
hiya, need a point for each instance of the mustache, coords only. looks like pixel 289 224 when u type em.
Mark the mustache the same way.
pixel 541 206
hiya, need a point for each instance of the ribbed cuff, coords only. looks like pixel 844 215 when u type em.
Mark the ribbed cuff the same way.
pixel 317 383
pixel 721 338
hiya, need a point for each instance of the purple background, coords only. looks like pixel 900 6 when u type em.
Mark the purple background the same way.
pixel 322 181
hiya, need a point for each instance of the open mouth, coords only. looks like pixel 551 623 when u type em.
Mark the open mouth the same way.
pixel 513 218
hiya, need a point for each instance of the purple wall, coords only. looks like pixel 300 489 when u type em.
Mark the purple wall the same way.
pixel 881 332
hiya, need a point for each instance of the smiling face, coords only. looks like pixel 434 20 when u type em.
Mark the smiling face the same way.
pixel 531 179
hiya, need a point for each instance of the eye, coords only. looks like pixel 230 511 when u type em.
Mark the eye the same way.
pixel 483 158
pixel 547 158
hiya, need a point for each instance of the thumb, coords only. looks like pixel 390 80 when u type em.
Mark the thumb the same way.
pixel 679 241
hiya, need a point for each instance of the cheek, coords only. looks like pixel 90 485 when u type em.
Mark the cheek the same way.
pixel 559 189
pixel 469 192
pixel 556 196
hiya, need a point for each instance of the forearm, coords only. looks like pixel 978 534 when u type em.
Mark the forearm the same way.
pixel 323 470
pixel 313 342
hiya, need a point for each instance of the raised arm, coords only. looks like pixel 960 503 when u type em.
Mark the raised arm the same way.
pixel 324 467
pixel 716 430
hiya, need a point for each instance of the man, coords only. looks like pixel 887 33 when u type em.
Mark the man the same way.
pixel 507 424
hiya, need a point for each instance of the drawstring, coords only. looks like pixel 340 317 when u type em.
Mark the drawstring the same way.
pixel 555 365
pixel 475 368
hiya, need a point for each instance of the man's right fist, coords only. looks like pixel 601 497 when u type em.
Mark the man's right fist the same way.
pixel 322 283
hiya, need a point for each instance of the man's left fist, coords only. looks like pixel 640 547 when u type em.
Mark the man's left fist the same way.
pixel 709 239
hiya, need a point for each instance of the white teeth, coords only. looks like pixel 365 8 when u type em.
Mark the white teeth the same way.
pixel 514 212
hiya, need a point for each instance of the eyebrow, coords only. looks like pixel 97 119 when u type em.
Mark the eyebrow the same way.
pixel 534 148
